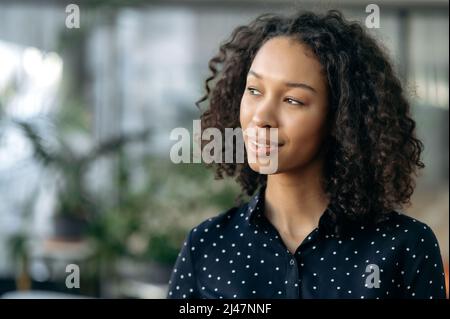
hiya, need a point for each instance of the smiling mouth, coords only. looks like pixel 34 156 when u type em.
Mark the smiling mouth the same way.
pixel 261 144
pixel 263 148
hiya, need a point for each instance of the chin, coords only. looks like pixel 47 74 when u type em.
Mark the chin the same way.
pixel 264 169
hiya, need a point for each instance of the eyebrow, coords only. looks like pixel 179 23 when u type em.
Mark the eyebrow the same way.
pixel 289 84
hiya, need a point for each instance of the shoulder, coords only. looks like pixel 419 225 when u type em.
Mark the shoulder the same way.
pixel 409 230
pixel 211 229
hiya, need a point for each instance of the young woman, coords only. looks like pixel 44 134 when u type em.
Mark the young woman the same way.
pixel 327 223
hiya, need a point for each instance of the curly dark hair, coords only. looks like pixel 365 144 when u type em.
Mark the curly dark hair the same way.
pixel 372 154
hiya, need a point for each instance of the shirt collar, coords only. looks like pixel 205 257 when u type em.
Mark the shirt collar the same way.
pixel 255 209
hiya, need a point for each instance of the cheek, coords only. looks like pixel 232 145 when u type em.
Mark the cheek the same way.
pixel 305 133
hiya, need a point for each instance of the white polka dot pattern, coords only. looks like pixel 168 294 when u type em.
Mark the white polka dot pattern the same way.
pixel 239 254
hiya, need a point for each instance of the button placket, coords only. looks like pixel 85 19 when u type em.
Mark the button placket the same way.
pixel 291 281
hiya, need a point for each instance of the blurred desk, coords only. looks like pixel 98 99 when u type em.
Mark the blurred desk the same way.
pixel 56 254
pixel 49 260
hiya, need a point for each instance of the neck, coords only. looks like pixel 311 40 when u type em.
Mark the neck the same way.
pixel 295 201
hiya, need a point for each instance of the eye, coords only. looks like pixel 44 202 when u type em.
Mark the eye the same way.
pixel 253 91
pixel 293 101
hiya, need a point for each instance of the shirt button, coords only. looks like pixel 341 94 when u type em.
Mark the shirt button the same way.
pixel 292 262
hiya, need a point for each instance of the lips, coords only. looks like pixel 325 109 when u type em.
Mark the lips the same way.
pixel 261 144
pixel 263 147
pixel 266 144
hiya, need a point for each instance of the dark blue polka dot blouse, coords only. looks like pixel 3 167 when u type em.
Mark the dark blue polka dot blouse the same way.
pixel 239 254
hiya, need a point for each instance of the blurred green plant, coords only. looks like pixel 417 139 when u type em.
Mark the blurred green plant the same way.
pixel 74 201
pixel 18 245
pixel 151 222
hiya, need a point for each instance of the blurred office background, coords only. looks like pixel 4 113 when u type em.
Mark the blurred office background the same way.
pixel 85 117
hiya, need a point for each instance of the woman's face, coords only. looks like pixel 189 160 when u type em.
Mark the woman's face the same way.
pixel 286 90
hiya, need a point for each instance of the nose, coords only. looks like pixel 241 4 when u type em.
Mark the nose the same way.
pixel 265 114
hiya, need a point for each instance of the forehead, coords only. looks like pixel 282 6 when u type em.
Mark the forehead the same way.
pixel 286 59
